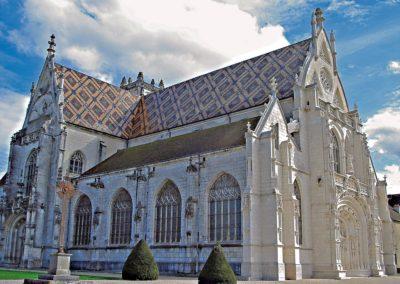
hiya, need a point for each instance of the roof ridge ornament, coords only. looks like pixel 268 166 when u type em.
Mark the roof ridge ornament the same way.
pixel 161 84
pixel 319 16
pixel 52 44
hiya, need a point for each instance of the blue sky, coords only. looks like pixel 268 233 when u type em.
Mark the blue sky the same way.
pixel 183 38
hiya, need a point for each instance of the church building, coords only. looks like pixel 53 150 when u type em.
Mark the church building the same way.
pixel 264 156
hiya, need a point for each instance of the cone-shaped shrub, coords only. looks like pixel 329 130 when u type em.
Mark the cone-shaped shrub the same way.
pixel 217 269
pixel 140 264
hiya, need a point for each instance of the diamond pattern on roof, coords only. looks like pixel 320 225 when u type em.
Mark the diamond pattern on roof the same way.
pixel 96 104
pixel 233 88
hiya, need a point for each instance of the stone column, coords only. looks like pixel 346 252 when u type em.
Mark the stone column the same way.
pixel 59 268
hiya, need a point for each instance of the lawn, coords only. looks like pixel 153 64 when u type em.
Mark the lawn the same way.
pixel 6 274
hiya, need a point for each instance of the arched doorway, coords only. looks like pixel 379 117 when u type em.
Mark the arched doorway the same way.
pixel 353 237
pixel 16 242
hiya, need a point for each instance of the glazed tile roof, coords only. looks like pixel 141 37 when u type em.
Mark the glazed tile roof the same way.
pixel 233 88
pixel 95 104
pixel 198 142
pixel 98 105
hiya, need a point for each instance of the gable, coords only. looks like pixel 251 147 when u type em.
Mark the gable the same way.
pixel 94 104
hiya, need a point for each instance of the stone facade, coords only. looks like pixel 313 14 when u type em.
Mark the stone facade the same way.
pixel 310 203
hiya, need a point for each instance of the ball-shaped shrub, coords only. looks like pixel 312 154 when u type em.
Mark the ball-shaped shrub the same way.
pixel 140 264
pixel 217 269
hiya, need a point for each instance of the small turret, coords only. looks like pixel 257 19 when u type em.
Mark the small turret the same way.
pixel 140 76
pixel 152 82
pixel 274 87
pixel 161 84
pixel 123 82
pixel 129 80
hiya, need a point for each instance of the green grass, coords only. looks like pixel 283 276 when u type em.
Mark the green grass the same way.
pixel 6 274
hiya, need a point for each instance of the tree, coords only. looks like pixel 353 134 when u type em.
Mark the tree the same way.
pixel 217 269
pixel 140 264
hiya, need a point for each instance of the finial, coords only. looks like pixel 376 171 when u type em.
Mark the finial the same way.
pixel 33 88
pixel 152 82
pixel 319 15
pixel 355 106
pixel 332 37
pixel 161 84
pixel 248 126
pixel 140 76
pixel 123 81
pixel 61 78
pixel 129 80
pixel 274 86
pixel 52 44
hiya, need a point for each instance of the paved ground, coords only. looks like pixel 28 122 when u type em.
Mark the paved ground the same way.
pixel 193 280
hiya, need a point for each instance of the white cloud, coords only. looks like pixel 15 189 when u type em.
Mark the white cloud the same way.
pixel 394 66
pixel 383 130
pixel 12 105
pixel 348 8
pixel 392 173
pixel 172 39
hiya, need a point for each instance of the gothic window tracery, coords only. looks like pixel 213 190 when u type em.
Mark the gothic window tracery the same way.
pixel 224 210
pixel 31 172
pixel 168 214
pixel 121 219
pixel 336 153
pixel 76 163
pixel 298 211
pixel 83 222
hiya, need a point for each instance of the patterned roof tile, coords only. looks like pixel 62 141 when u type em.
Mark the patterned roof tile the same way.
pixel 233 88
pixel 95 104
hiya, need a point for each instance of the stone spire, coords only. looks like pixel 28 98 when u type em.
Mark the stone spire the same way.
pixel 152 82
pixel 332 41
pixel 52 44
pixel 129 80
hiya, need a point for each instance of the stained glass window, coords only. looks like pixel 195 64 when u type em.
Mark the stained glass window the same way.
pixel 31 172
pixel 168 215
pixel 76 163
pixel 225 214
pixel 121 219
pixel 83 222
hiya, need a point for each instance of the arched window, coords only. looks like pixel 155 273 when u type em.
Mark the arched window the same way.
pixel 224 210
pixel 121 219
pixel 83 222
pixel 76 163
pixel 336 154
pixel 168 214
pixel 30 172
pixel 298 214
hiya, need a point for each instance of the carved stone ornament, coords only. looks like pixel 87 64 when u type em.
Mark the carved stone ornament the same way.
pixel 190 208
pixel 326 80
pixel 139 212
pixel 97 183
pixel 57 215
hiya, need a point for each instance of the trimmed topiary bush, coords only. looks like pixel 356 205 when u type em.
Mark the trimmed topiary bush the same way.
pixel 217 269
pixel 140 264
